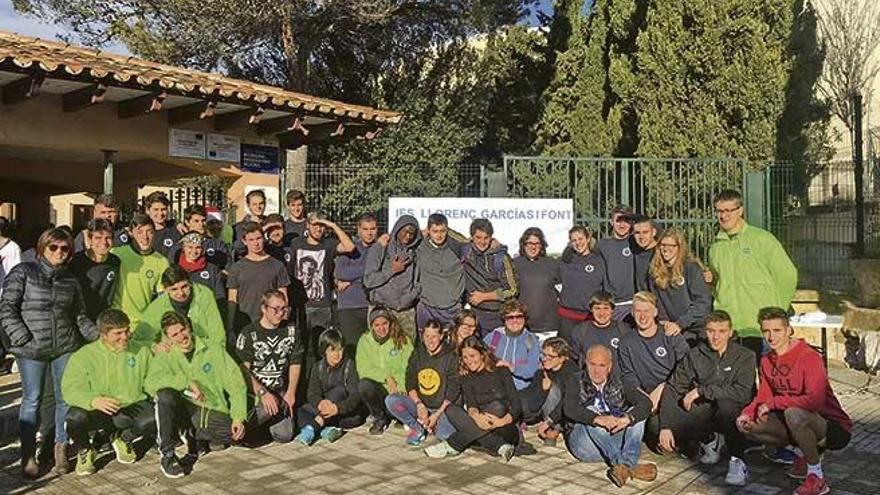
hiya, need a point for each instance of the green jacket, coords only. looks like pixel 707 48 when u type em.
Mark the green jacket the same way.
pixel 139 281
pixel 203 314
pixel 95 370
pixel 211 368
pixel 752 271
pixel 377 361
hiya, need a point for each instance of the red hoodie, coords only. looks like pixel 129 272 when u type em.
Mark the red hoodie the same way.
pixel 797 379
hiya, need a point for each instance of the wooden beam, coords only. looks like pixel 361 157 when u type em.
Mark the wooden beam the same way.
pixel 140 106
pixel 22 89
pixel 199 110
pixel 328 132
pixel 239 118
pixel 280 124
pixel 83 97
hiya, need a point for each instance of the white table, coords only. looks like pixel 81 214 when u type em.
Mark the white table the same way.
pixel 833 322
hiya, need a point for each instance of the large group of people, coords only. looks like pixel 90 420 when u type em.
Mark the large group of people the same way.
pixel 295 332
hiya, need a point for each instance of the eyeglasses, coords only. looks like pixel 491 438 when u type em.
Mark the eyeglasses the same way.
pixel 726 211
pixel 533 244
pixel 518 316
pixel 63 247
pixel 544 355
pixel 276 309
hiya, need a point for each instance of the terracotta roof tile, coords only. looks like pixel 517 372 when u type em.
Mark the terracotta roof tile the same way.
pixel 50 56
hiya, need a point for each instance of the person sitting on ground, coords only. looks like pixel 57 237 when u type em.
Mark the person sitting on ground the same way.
pixel 606 419
pixel 795 404
pixel 516 348
pixel 706 393
pixel 542 399
pixel 271 352
pixel 463 326
pixel 334 403
pixel 676 278
pixel 382 357
pixel 103 385
pixel 602 329
pixel 195 301
pixel 648 356
pixel 199 389
pixel 431 386
pixel 493 407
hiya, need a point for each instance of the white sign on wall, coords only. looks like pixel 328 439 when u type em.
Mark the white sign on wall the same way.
pixel 224 148
pixel 509 217
pixel 186 144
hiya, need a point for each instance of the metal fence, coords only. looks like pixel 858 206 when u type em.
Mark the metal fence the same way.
pixel 676 192
pixel 180 198
pixel 345 191
pixel 817 224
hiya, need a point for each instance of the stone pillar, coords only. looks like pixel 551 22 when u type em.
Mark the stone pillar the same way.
pixel 296 169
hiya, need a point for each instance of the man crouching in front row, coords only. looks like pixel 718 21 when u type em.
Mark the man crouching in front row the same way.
pixel 104 386
pixel 191 380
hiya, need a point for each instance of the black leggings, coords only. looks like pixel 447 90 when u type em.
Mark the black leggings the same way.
pixel 704 418
pixel 373 396
pixel 468 433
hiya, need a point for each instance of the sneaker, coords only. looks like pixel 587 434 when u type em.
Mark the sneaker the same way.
pixel 440 450
pixel 550 437
pixel 85 462
pixel 813 485
pixel 306 435
pixel 125 454
pixel 798 469
pixel 416 436
pixel 171 467
pixel 506 452
pixel 619 475
pixel 379 426
pixel 331 434
pixel 710 453
pixel 189 460
pixel 782 455
pixel 737 472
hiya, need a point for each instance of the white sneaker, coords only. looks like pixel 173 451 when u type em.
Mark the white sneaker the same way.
pixel 710 453
pixel 440 450
pixel 737 472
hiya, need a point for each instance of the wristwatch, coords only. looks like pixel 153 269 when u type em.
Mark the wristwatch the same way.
pixel 262 392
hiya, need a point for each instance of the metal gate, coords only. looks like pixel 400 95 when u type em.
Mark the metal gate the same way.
pixel 675 192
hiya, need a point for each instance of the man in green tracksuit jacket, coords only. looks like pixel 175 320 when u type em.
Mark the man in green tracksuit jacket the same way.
pixel 139 270
pixel 103 384
pixel 196 301
pixel 751 270
pixel 191 379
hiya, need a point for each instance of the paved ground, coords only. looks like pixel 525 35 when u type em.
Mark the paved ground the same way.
pixel 359 463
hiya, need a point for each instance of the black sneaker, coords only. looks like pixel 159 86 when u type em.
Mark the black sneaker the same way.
pixel 379 426
pixel 171 467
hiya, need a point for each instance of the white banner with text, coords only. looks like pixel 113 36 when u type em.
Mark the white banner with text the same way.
pixel 509 216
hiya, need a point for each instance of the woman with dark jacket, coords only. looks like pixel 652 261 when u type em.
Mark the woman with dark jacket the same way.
pixel 492 406
pixel 583 274
pixel 676 278
pixel 43 317
pixel 538 275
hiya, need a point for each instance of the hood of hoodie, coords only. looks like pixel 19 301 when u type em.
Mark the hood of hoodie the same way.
pixel 400 224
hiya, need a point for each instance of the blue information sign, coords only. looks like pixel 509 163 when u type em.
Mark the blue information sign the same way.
pixel 260 159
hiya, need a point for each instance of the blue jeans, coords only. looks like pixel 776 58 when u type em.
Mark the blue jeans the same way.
pixel 404 409
pixel 594 444
pixel 32 374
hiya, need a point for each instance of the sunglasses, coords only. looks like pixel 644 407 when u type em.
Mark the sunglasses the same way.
pixel 63 247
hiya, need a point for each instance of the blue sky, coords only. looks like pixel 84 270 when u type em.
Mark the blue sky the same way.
pixel 10 20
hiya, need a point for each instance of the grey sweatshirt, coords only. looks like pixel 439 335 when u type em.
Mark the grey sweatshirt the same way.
pixel 397 291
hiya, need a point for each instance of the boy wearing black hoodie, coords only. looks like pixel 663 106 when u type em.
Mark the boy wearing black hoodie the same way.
pixel 704 396
pixel 431 386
